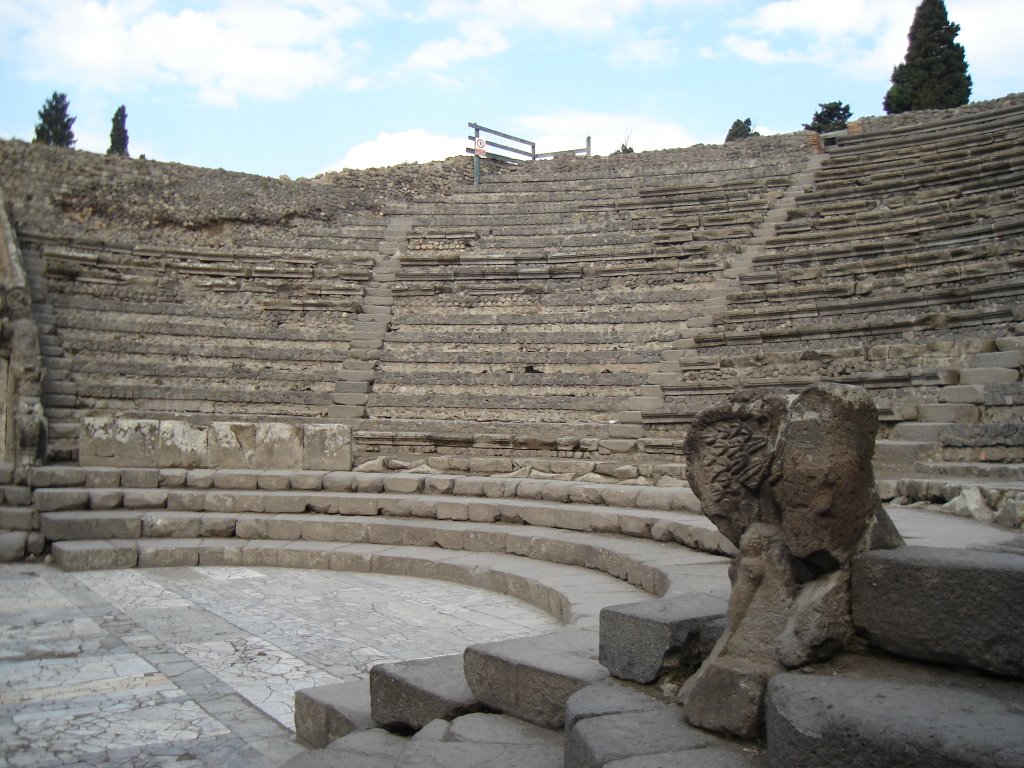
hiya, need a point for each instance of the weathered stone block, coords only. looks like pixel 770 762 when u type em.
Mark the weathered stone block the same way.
pixel 12 546
pixel 163 553
pixel 943 605
pixel 121 442
pixel 409 694
pixel 94 555
pixel 182 444
pixel 328 712
pixel 54 499
pixel 871 713
pixel 327 447
pixel 264 445
pixel 642 641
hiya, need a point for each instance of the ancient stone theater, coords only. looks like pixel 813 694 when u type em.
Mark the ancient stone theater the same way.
pixel 721 448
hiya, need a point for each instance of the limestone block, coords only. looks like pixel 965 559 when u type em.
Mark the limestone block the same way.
pixel 328 712
pixel 54 499
pixel 309 480
pixel 642 641
pixel 729 696
pixel 229 552
pixel 236 479
pixel 182 444
pixel 327 447
pixel 178 525
pixel 17 495
pixel 144 477
pixel 12 546
pixel 103 477
pixel 18 519
pixel 56 477
pixel 172 477
pixel 409 694
pixel 120 442
pixel 94 555
pixel 104 498
pixel 143 498
pixel 274 480
pixel 264 445
pixel 164 553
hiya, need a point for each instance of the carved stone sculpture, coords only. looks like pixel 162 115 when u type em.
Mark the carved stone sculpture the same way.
pixel 787 479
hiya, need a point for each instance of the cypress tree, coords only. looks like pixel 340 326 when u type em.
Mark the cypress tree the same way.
pixel 119 133
pixel 934 73
pixel 832 116
pixel 740 129
pixel 54 126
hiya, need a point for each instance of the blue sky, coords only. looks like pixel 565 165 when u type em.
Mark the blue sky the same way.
pixel 299 87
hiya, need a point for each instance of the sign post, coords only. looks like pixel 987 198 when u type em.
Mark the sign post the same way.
pixel 480 144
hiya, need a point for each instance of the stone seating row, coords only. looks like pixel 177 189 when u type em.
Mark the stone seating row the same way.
pixel 857 177
pixel 890 266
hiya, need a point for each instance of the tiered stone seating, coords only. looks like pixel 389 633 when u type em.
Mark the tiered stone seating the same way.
pixel 892 269
pixel 546 299
pixel 169 290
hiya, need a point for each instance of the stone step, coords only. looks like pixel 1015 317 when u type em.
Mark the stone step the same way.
pixel 532 678
pixel 657 568
pixel 988 375
pixel 960 413
pixel 900 453
pixel 924 432
pixel 469 741
pixel 963 393
pixel 328 712
pixel 956 607
pixel 406 695
pixel 873 712
pixel 19 518
pixel 641 641
pixel 1003 359
pixel 609 724
pixel 972 469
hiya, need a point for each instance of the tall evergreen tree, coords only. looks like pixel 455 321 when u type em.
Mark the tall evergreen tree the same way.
pixel 119 133
pixel 832 116
pixel 934 73
pixel 54 126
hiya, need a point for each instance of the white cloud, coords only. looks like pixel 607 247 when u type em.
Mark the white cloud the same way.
pixel 563 15
pixel 476 41
pixel 257 49
pixel 552 133
pixel 867 38
pixel 608 131
pixel 412 146
pixel 643 51
pixel 864 38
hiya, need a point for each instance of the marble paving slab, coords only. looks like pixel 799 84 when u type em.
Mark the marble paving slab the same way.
pixel 198 667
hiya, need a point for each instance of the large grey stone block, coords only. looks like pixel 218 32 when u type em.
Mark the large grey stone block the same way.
pixel 57 526
pixel 328 712
pixel 944 605
pixel 641 641
pixel 94 555
pixel 409 694
pixel 532 678
pixel 866 713
pixel 375 748
pixel 327 446
pixel 448 754
pixel 608 697
pixel 12 546
pixel 595 741
pixel 182 444
pixel 54 499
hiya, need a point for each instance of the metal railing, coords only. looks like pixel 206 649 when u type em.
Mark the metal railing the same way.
pixel 482 149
